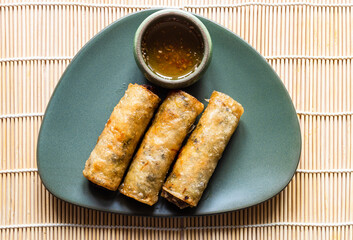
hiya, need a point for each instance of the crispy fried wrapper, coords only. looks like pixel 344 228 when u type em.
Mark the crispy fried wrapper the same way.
pixel 200 155
pixel 115 146
pixel 159 147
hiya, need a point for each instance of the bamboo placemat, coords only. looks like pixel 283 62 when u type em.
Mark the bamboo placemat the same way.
pixel 308 43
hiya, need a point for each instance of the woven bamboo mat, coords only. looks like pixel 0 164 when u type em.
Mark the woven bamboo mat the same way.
pixel 309 44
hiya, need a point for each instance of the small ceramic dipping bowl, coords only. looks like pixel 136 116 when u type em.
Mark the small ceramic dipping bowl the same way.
pixel 172 48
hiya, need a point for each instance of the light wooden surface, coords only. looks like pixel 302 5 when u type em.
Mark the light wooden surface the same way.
pixel 308 43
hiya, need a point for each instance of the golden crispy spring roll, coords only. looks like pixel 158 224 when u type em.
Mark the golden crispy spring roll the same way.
pixel 159 147
pixel 116 144
pixel 199 157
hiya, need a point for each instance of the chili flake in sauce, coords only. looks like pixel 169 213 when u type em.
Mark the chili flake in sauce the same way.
pixel 172 49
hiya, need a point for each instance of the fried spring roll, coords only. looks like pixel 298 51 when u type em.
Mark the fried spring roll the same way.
pixel 159 147
pixel 116 144
pixel 199 157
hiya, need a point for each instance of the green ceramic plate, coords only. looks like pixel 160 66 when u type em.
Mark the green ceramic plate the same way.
pixel 258 163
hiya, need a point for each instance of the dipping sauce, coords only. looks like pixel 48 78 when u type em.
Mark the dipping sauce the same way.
pixel 172 49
